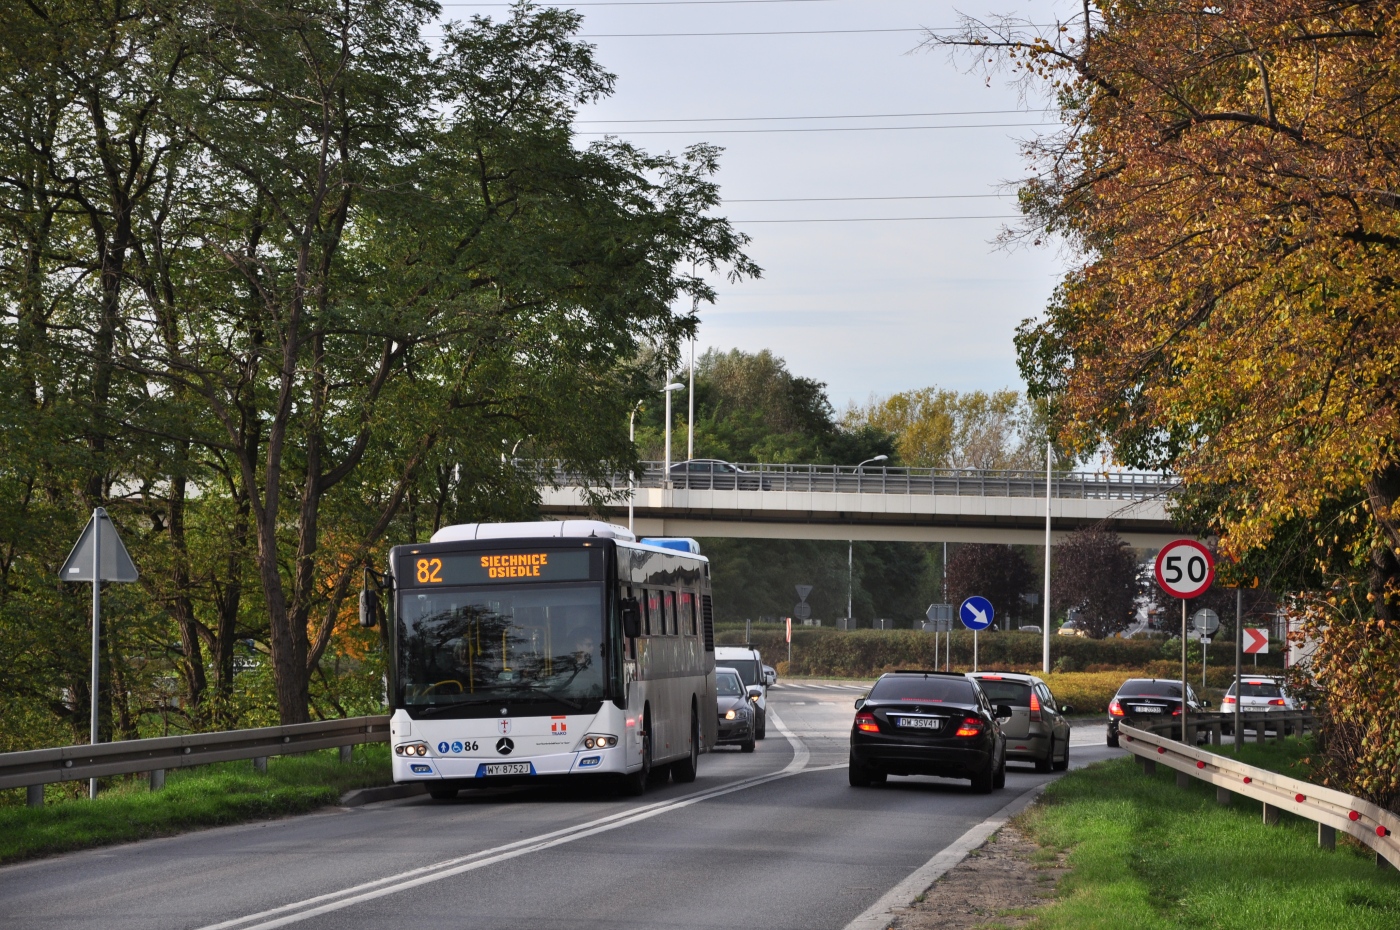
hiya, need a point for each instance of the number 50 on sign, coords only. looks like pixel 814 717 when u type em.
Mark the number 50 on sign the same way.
pixel 1185 568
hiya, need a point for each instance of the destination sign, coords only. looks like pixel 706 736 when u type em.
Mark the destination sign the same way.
pixel 494 567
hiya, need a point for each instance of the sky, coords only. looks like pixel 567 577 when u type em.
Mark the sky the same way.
pixel 868 307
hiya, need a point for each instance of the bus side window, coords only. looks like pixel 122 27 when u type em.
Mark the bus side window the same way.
pixel 672 626
pixel 656 620
pixel 687 611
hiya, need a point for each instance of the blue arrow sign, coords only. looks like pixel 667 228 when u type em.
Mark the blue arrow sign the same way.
pixel 976 613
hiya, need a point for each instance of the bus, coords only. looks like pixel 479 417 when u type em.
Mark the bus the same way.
pixel 558 649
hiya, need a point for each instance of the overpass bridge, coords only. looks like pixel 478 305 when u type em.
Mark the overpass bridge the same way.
pixel 839 502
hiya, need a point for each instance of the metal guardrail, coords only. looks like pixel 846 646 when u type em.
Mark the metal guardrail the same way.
pixel 38 767
pixel 1330 810
pixel 847 479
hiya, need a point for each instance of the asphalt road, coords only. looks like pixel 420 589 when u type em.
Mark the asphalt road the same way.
pixel 773 839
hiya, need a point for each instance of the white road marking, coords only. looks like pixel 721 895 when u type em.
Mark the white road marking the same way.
pixel 403 881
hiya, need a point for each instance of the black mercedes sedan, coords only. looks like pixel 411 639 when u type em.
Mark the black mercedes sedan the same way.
pixel 928 723
pixel 1149 702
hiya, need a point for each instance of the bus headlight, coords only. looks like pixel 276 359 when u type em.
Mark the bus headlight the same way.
pixel 599 741
pixel 411 749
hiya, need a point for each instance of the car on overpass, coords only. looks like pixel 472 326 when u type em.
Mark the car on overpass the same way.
pixel 715 475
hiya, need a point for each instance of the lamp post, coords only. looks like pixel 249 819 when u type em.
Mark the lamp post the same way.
pixel 851 546
pixel 632 479
pixel 668 390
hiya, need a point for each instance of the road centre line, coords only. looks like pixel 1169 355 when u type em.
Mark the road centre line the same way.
pixel 403 881
pixel 878 915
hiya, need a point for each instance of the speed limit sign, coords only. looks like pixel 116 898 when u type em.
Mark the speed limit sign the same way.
pixel 1185 568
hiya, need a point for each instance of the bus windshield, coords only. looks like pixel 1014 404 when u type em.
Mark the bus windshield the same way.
pixel 518 643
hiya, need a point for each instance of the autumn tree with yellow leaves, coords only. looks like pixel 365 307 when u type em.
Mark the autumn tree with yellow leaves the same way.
pixel 1229 176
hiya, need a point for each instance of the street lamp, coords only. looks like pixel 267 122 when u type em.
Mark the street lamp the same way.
pixel 632 479
pixel 666 473
pixel 851 545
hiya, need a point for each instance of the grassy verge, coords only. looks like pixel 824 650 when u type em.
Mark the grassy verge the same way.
pixel 1147 855
pixel 207 796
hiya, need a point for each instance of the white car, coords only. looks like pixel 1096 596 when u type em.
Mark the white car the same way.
pixel 1259 694
pixel 770 676
pixel 749 664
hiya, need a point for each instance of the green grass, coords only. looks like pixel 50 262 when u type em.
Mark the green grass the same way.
pixel 1147 855
pixel 206 796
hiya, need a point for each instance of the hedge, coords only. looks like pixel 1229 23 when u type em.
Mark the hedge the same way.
pixel 866 653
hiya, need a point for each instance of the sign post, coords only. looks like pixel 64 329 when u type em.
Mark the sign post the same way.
pixel 1185 569
pixel 976 614
pixel 97 556
pixel 1204 622
pixel 789 642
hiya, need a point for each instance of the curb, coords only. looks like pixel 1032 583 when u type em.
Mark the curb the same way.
pixel 362 796
pixel 879 914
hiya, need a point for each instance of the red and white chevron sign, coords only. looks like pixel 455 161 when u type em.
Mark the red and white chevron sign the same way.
pixel 1256 640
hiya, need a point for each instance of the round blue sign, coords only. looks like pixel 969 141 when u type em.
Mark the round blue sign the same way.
pixel 976 613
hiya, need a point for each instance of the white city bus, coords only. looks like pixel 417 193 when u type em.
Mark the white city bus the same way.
pixel 529 650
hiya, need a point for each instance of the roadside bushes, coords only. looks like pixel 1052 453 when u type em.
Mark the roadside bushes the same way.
pixel 866 653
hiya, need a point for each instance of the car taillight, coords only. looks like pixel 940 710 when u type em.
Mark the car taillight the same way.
pixel 1035 708
pixel 866 722
pixel 1276 702
pixel 1228 699
pixel 1176 711
pixel 971 726
pixel 1115 709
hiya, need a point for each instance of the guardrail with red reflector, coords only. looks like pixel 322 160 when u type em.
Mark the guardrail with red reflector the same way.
pixel 1330 810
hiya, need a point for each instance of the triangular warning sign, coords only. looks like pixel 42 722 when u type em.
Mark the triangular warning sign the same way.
pixel 802 591
pixel 116 564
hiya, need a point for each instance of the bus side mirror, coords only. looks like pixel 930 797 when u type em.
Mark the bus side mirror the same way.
pixel 369 608
pixel 631 617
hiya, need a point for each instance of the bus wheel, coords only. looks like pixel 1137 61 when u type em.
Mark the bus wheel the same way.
pixel 635 784
pixel 683 772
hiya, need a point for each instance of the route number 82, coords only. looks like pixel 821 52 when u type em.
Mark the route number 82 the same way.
pixel 429 571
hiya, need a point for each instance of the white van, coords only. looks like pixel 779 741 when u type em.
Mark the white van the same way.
pixel 749 664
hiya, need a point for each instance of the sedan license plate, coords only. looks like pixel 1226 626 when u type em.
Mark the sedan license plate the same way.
pixel 509 768
pixel 918 723
pixel 1146 709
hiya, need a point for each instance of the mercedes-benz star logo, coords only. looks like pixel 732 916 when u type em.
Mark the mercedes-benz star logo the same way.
pixel 504 746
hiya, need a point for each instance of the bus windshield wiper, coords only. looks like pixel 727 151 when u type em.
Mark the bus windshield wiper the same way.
pixel 550 695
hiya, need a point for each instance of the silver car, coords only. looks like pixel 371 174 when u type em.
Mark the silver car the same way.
pixel 1037 731
pixel 1259 694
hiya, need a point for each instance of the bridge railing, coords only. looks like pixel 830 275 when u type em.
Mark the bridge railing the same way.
pixel 847 479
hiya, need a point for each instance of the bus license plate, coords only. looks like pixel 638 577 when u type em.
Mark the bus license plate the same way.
pixel 1146 709
pixel 919 723
pixel 509 768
